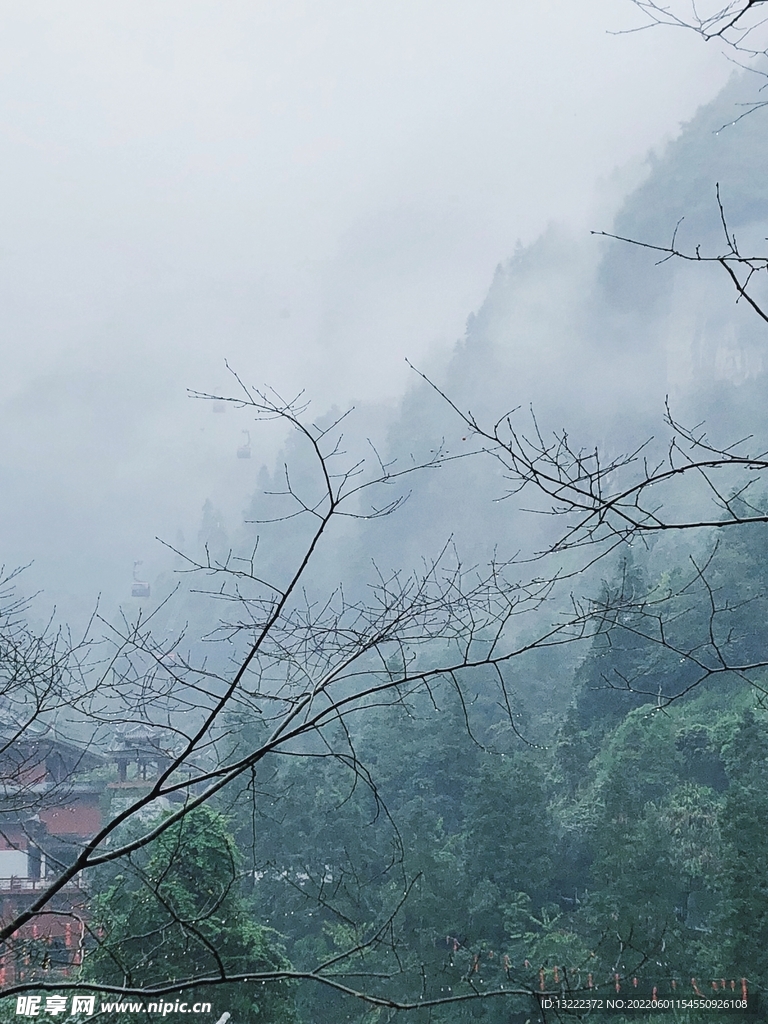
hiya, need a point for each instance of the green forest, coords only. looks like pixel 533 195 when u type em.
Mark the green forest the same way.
pixel 459 718
pixel 625 844
pixel 612 848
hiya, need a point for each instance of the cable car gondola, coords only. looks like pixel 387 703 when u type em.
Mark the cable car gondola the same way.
pixel 139 588
pixel 244 451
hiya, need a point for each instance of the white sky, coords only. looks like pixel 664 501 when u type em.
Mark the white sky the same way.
pixel 314 190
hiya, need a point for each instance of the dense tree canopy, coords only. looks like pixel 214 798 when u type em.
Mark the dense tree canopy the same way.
pixel 177 910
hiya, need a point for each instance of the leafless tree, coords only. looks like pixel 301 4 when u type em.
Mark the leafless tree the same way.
pixel 739 26
pixel 606 500
pixel 743 270
pixel 736 23
pixel 600 502
pixel 289 656
pixel 609 498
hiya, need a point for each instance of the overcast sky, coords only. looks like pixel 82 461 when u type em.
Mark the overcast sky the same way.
pixel 313 190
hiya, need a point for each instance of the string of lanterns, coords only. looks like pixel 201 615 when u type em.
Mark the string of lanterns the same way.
pixel 558 976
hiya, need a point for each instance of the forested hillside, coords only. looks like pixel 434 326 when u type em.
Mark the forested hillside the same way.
pixel 601 839
pixel 407 748
pixel 621 853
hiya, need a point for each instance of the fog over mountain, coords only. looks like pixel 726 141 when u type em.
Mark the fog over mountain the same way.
pixel 590 335
pixel 400 691
pixel 314 192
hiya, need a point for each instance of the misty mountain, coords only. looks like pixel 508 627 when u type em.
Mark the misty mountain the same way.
pixel 590 333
